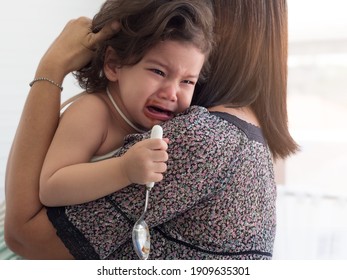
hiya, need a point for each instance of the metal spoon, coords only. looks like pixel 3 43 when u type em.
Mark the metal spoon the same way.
pixel 140 235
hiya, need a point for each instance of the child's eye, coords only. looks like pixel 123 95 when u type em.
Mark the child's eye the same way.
pixel 159 72
pixel 188 82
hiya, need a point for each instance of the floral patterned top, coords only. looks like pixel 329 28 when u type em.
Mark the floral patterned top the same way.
pixel 216 201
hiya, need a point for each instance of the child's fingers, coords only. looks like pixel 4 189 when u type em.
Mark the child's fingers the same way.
pixel 159 156
pixel 156 144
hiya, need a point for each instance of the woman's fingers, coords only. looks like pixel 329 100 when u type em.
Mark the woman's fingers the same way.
pixel 107 31
pixel 104 33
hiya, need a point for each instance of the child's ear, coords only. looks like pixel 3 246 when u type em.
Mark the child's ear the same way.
pixel 111 64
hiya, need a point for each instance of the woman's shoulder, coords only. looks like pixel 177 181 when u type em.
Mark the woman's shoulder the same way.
pixel 194 119
pixel 186 125
pixel 198 122
pixel 190 116
pixel 195 123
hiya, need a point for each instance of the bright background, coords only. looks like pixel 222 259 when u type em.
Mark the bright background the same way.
pixel 28 28
pixel 312 201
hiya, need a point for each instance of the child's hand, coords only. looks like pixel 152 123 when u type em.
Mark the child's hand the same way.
pixel 146 161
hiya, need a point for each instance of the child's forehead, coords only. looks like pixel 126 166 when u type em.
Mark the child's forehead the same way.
pixel 176 55
pixel 173 46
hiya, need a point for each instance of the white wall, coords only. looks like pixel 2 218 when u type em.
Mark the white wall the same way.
pixel 316 19
pixel 27 29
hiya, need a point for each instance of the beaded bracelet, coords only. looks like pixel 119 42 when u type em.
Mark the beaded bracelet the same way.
pixel 47 80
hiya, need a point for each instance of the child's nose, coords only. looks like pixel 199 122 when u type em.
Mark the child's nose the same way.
pixel 169 92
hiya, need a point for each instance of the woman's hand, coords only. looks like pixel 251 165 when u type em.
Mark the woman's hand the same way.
pixel 73 48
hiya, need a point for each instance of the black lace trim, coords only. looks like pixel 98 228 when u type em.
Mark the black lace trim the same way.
pixel 249 252
pixel 73 239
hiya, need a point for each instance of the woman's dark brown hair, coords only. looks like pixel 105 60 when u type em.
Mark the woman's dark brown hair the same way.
pixel 249 66
pixel 144 23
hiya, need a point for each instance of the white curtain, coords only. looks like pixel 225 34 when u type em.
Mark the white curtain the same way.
pixel 312 224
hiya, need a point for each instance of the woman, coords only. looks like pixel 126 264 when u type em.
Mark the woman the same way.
pixel 233 218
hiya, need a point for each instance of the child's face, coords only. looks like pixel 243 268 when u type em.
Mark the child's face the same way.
pixel 161 84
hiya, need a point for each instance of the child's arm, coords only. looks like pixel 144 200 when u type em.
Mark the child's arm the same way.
pixel 69 178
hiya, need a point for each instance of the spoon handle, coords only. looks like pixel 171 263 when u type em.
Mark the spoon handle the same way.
pixel 146 201
pixel 157 132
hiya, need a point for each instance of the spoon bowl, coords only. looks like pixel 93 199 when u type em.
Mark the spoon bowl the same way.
pixel 141 238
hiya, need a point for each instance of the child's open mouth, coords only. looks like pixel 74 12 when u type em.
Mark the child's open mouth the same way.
pixel 159 113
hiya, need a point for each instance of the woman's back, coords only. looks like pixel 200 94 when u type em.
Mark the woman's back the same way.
pixel 219 204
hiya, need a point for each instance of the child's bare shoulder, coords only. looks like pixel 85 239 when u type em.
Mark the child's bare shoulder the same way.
pixel 89 104
pixel 93 100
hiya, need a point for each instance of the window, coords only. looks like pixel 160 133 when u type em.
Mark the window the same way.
pixel 312 204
